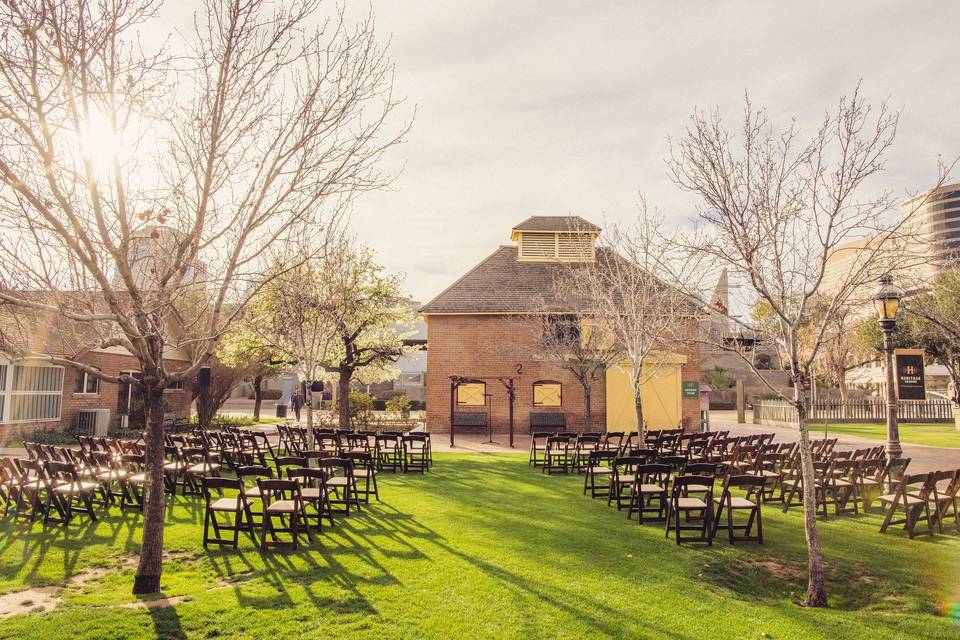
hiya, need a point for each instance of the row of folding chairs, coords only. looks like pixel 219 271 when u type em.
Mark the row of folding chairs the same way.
pixel 305 491
pixel 392 450
pixel 680 493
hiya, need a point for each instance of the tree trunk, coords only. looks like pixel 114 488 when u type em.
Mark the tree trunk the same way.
pixel 257 396
pixel 150 565
pixel 343 390
pixel 308 406
pixel 844 392
pixel 587 410
pixel 816 586
pixel 638 405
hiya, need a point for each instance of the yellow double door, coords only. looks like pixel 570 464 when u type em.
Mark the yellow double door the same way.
pixel 660 393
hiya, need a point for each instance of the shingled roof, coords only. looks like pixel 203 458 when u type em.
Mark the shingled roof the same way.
pixel 500 284
pixel 556 223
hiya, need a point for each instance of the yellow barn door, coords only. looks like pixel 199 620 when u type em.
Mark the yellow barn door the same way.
pixel 661 397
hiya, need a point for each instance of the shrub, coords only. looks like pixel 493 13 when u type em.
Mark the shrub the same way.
pixel 399 404
pixel 270 394
pixel 361 407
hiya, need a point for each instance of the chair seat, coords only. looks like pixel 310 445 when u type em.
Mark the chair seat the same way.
pixel 338 481
pixel 596 470
pixel 112 474
pixel 140 478
pixel 652 488
pixel 225 504
pixel 251 492
pixel 173 466
pixel 311 493
pixel 891 497
pixel 766 473
pixel 282 506
pixel 737 502
pixel 362 473
pixel 691 503
pixel 698 488
pixel 203 468
pixel 76 487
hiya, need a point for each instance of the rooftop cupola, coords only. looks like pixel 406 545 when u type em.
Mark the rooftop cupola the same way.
pixel 555 239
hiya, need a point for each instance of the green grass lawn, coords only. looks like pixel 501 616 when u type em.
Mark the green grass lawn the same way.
pixel 485 547
pixel 932 435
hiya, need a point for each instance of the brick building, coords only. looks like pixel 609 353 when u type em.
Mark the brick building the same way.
pixel 36 393
pixel 482 329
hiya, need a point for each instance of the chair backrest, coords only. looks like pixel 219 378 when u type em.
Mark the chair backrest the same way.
pixel 558 442
pixel 654 473
pixel 677 462
pixel 701 468
pixel 306 476
pixel 278 489
pixel 683 482
pixel 290 461
pixel 753 485
pixel 597 458
pixel 60 471
pixel 255 470
pixel 217 483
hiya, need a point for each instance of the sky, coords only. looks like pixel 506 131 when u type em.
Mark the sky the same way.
pixel 565 107
pixel 550 108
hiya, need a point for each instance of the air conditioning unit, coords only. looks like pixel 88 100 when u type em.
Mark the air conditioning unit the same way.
pixel 93 421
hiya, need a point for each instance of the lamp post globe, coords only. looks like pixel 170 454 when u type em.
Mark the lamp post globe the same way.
pixel 887 303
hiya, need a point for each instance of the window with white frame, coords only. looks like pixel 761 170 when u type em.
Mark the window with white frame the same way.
pixel 30 392
pixel 87 384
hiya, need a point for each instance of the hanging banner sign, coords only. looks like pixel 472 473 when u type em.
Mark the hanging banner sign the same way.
pixel 908 367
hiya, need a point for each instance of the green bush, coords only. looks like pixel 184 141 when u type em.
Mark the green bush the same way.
pixel 361 408
pixel 270 394
pixel 399 404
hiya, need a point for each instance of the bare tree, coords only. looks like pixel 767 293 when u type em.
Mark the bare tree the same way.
pixel 141 192
pixel 776 209
pixel 565 334
pixel 637 293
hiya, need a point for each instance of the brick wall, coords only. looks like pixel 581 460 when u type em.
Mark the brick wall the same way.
pixel 491 346
pixel 72 403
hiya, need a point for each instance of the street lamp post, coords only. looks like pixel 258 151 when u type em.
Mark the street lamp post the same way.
pixel 887 301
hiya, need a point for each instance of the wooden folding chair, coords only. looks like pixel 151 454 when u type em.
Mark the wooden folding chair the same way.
pixel 341 484
pixel 133 481
pixel 943 500
pixel 538 448
pixel 236 504
pixel 697 512
pixel 67 493
pixel 623 478
pixel 557 456
pixel 389 452
pixel 414 452
pixel 283 503
pixel 313 490
pixel 599 466
pixel 750 502
pixel 584 445
pixel 649 493
pixel 914 504
pixel 251 491
pixel 365 473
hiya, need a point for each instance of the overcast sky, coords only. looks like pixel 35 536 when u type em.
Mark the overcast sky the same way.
pixel 559 107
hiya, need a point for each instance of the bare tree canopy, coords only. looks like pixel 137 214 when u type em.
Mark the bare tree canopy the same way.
pixel 142 192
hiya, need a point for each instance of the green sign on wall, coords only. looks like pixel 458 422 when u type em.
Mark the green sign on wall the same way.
pixel 691 389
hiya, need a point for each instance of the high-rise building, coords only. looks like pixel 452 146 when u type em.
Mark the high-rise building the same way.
pixel 935 217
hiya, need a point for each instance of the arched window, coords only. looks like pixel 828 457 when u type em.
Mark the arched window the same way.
pixel 471 394
pixel 547 393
